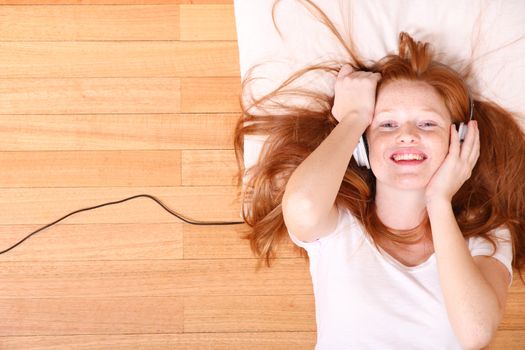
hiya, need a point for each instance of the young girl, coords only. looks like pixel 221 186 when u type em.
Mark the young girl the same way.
pixel 415 250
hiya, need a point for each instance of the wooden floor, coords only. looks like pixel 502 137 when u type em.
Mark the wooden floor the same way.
pixel 102 100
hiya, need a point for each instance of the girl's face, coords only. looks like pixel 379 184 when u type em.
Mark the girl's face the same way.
pixel 408 138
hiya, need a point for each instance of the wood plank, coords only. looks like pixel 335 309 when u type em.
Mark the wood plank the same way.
pixel 207 22
pixel 517 285
pixel 219 95
pixel 189 341
pixel 155 278
pixel 115 132
pixel 80 23
pixel 89 95
pixel 92 242
pixel 91 168
pixel 44 205
pixel 508 340
pixel 86 315
pixel 208 167
pixel 220 242
pixel 249 313
pixel 514 317
pixel 50 316
pixel 116 59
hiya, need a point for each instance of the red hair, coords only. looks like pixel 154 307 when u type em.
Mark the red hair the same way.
pixel 494 195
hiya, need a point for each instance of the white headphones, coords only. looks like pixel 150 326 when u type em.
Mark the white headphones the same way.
pixel 360 152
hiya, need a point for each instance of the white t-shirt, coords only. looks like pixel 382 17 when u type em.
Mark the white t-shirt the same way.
pixel 364 300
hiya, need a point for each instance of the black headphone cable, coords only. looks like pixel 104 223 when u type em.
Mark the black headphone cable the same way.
pixel 193 222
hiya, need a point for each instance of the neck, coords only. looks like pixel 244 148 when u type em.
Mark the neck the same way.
pixel 400 209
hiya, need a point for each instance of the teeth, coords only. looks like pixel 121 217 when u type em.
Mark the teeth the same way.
pixel 407 157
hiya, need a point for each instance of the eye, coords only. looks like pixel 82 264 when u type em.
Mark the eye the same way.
pixel 427 124
pixel 387 125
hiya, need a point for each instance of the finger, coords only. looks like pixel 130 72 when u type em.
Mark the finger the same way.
pixel 377 76
pixel 476 147
pixel 345 70
pixel 366 74
pixel 454 141
pixel 468 144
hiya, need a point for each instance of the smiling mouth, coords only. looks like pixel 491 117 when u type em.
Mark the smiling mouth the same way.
pixel 408 156
pixel 408 159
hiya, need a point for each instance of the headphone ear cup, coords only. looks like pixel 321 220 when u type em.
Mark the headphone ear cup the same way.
pixel 360 154
pixel 462 130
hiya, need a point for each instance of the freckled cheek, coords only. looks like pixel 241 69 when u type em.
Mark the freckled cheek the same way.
pixel 440 147
pixel 376 149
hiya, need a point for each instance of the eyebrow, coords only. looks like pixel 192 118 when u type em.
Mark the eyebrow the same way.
pixel 419 110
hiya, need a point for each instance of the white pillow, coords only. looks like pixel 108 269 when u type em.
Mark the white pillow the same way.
pixel 457 30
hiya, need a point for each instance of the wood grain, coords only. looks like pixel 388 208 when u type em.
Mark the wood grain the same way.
pixel 89 95
pixel 207 22
pixel 184 341
pixel 118 59
pixel 115 132
pixel 84 23
pixel 155 277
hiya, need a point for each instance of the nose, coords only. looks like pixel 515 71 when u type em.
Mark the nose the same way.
pixel 407 133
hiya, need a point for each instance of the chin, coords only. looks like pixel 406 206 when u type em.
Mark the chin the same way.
pixel 412 186
pixel 407 179
pixel 412 183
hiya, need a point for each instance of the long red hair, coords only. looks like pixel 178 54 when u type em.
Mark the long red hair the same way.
pixel 492 197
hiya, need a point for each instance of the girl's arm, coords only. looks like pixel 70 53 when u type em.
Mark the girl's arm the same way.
pixel 471 302
pixel 312 188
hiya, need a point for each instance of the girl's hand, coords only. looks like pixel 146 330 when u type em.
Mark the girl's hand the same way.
pixel 355 94
pixel 457 165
